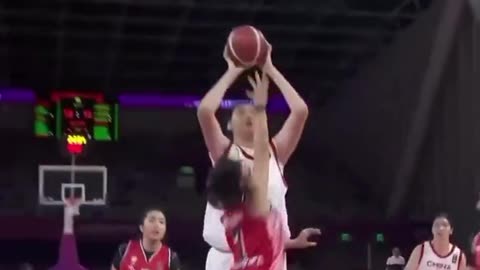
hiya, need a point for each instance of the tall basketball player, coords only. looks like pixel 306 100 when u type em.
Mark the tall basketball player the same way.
pixel 281 147
pixel 254 229
pixel 438 253
pixel 147 252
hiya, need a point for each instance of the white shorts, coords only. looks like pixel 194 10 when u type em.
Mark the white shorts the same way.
pixel 217 260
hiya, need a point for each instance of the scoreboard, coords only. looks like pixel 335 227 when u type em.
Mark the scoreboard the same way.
pixel 71 113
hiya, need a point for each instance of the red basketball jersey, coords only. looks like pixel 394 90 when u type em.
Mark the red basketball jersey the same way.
pixel 257 243
pixel 135 258
pixel 476 250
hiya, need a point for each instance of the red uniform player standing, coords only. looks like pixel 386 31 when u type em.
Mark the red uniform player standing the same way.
pixel 148 251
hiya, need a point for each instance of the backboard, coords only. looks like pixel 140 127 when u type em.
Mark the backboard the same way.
pixel 57 183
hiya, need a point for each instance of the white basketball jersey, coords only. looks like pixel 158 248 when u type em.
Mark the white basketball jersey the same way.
pixel 430 260
pixel 213 230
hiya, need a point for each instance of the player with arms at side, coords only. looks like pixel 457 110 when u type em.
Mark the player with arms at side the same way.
pixel 438 253
pixel 253 228
pixel 281 147
pixel 148 252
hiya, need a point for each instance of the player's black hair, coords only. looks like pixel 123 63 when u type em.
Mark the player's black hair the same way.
pixel 223 183
pixel 146 211
pixel 144 215
pixel 445 216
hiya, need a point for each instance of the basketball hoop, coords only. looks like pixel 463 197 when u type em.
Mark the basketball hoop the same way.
pixel 73 205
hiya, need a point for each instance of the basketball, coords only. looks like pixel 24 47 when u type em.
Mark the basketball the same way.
pixel 247 46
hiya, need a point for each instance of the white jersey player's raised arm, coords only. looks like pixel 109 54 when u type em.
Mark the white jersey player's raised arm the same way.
pixel 285 140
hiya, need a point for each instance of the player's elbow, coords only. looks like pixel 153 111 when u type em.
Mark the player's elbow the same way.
pixel 205 235
pixel 208 236
pixel 205 115
pixel 204 110
pixel 301 111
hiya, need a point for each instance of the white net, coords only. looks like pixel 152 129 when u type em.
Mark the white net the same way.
pixel 72 206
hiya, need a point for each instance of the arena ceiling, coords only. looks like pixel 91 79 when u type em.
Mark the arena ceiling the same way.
pixel 175 46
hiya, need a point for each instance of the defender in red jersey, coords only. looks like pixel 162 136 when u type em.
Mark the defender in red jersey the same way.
pixel 253 229
pixel 148 252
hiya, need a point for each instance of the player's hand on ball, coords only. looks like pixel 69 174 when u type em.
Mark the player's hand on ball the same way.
pixel 260 84
pixel 303 238
pixel 268 61
pixel 230 63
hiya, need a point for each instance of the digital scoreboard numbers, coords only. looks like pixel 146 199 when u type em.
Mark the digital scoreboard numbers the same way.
pixel 76 116
pixel 44 125
pixel 68 113
pixel 105 125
